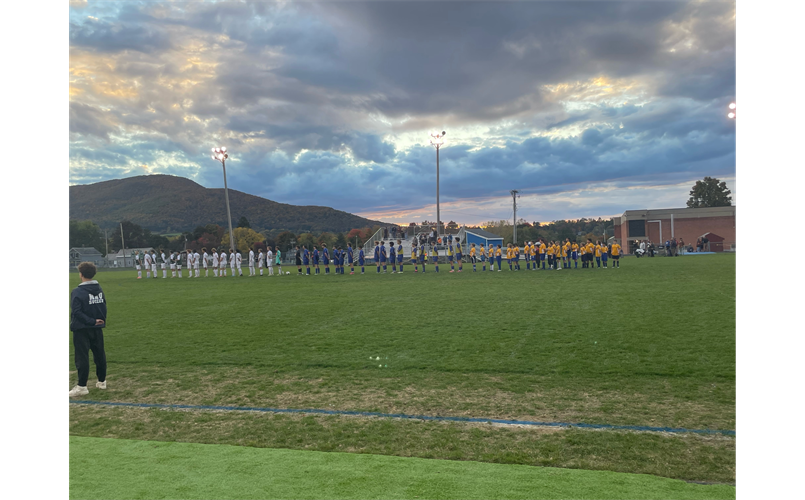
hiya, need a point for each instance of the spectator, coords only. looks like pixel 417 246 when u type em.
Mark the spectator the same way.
pixel 682 245
pixel 705 244
pixel 673 247
pixel 698 244
pixel 667 248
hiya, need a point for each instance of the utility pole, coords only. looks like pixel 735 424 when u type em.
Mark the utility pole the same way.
pixel 514 205
pixel 123 244
pixel 106 239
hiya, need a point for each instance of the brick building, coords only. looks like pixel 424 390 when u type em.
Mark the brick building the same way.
pixel 686 223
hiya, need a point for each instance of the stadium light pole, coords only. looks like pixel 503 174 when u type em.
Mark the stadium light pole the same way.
pixel 221 155
pixel 437 139
pixel 731 114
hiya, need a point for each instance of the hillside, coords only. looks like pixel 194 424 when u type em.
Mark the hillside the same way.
pixel 165 203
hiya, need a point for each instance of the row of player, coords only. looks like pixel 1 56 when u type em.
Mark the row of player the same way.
pixel 540 255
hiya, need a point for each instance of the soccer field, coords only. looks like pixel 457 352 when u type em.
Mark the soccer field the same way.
pixel 649 344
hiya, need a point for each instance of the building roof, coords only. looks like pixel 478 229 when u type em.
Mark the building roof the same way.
pixel 85 250
pixel 483 234
pixel 130 251
pixel 680 213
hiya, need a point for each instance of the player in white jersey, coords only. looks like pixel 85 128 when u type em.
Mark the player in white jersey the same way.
pixel 137 264
pixel 164 264
pixel 260 261
pixel 270 262
pixel 215 262
pixel 173 264
pixel 189 254
pixel 232 262
pixel 196 258
pixel 222 265
pixel 238 261
pixel 147 260
pixel 154 263
pixel 204 260
pixel 251 262
pixel 179 263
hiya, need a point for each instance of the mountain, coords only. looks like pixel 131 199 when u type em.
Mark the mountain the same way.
pixel 166 203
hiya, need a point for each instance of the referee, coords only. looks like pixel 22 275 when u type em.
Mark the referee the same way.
pixel 87 320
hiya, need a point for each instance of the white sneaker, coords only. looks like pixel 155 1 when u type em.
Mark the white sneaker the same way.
pixel 78 391
pixel 101 385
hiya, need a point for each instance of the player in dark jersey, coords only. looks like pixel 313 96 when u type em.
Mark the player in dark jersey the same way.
pixel 361 260
pixel 325 258
pixel 400 255
pixel 392 257
pixel 306 260
pixel 316 259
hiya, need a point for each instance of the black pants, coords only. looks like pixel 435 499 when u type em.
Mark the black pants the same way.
pixel 84 341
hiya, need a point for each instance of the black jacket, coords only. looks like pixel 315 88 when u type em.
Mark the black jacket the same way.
pixel 87 303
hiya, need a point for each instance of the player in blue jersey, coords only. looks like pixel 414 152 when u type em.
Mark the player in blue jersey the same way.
pixel 414 253
pixel 400 255
pixel 459 255
pixel 361 260
pixel 325 258
pixel 342 258
pixel 422 256
pixel 316 259
pixel 392 257
pixel 434 259
pixel 336 259
pixel 350 259
pixel 306 260
pixel 383 256
pixel 377 256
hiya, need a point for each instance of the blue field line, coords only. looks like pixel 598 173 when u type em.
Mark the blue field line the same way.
pixel 411 417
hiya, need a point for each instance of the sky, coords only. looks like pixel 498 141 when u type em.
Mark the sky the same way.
pixel 588 109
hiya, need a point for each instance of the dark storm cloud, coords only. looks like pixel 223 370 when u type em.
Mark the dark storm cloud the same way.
pixel 105 36
pixel 88 120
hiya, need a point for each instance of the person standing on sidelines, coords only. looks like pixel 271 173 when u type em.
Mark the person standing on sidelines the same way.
pixel 205 259
pixel 298 258
pixel 270 261
pixel 400 255
pixel 350 258
pixel 232 262
pixel 325 258
pixel 392 257
pixel 315 258
pixel 306 260
pixel 196 263
pixel 616 255
pixel 222 264
pixel 362 260
pixel 238 262
pixel 87 320
pixel 215 262
pixel 172 259
pixel 251 263
pixel 604 254
pixel 154 263
pixel 189 254
pixel 472 257
pixel 260 258
pixel 163 262
pixel 278 260
pixel 413 254
pixel 377 256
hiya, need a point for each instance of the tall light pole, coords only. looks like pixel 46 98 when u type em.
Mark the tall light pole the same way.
pixel 437 139
pixel 514 209
pixel 731 114
pixel 220 155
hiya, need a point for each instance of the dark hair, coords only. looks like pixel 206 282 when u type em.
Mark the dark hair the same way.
pixel 87 269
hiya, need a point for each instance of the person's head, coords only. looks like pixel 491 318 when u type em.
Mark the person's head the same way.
pixel 86 270
pixel 399 242
pixel 377 243
pixel 498 246
pixel 204 249
pixel 297 247
pixel 473 244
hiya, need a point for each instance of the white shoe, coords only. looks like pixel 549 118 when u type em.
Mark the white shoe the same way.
pixel 101 385
pixel 78 391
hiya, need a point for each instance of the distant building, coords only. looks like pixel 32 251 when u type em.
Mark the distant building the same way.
pixel 85 254
pixel 690 224
pixel 126 258
pixel 479 237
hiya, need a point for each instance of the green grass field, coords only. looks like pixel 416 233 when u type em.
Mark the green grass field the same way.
pixel 651 343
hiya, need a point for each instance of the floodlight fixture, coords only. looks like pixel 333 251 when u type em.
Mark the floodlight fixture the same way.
pixel 732 113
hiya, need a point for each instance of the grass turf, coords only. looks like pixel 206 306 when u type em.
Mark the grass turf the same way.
pixel 148 469
pixel 651 343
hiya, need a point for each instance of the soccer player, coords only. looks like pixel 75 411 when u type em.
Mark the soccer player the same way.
pixel 435 259
pixel 499 257
pixel 147 261
pixel 482 256
pixel 377 256
pixel 516 257
pixel 163 261
pixel 590 253
pixel 350 258
pixel 400 255
pixel 422 256
pixel 306 260
pixel 598 253
pixel 534 262
pixel 204 260
pixel 341 258
pixel 574 254
pixel 509 253
pixel 270 261
pixel 316 259
pixel 361 260
pixel 179 264
pixel 616 255
pixel 251 263
pixel 527 255
pixel 154 263
pixel 450 255
pixel 260 258
pixel 172 259
pixel 392 258
pixel 137 264
pixel 232 262
pixel 325 257
pixel 189 257
pixel 298 258
pixel 87 320
pixel 214 262
pixel 459 255
pixel 238 261
pixel 414 253
pixel 196 258
pixel 472 257
pixel 336 259
pixel 604 255
pixel 383 255
pixel 551 251
pixel 278 260
pixel 222 264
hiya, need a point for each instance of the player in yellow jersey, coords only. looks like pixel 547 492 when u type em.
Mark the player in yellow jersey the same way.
pixel 574 254
pixel 583 254
pixel 516 257
pixel 616 255
pixel 499 258
pixel 473 258
pixel 566 253
pixel 435 258
pixel 509 255
pixel 482 255
pixel 597 250
pixel 534 256
pixel 590 253
pixel 550 252
pixel 527 254
pixel 604 253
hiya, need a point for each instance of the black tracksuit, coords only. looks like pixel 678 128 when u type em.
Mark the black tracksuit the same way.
pixel 87 304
